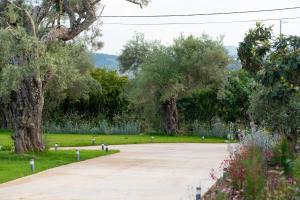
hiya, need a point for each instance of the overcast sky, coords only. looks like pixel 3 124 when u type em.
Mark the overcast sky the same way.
pixel 115 36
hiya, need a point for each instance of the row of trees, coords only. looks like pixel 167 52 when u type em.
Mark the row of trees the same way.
pixel 186 81
pixel 168 85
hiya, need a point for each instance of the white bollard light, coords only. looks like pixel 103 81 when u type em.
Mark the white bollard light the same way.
pixel 198 193
pixel 203 137
pixel 32 167
pixel 55 147
pixel 77 155
pixel 103 147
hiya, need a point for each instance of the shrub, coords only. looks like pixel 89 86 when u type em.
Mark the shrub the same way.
pixel 103 127
pixel 234 168
pixel 283 156
pixel 254 173
pixel 285 190
pixel 261 140
pixel 217 129
pixel 296 169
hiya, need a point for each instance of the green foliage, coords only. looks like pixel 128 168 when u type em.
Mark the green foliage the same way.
pixel 170 72
pixel 109 100
pixel 296 169
pixel 255 47
pixel 283 156
pixel 101 97
pixel 202 106
pixel 20 55
pixel 102 127
pixel 254 174
pixel 235 101
pixel 135 53
pixel 275 64
pixel 215 129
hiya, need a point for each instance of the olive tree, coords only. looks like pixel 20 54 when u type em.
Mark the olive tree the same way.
pixel 169 72
pixel 34 49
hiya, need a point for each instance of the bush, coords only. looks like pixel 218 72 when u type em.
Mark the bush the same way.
pixel 103 127
pixel 296 169
pixel 261 140
pixel 254 173
pixel 217 129
pixel 234 168
pixel 285 190
pixel 283 156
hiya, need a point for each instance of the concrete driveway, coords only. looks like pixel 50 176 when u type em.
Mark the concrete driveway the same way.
pixel 139 172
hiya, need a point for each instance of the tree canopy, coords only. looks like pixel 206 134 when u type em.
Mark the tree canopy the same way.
pixel 37 44
pixel 276 101
pixel 169 72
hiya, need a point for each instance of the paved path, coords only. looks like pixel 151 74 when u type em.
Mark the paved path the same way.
pixel 139 172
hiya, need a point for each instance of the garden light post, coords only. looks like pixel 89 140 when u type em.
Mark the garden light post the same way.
pixel 198 193
pixel 102 146
pixel 106 148
pixel 77 155
pixel 55 147
pixel 32 167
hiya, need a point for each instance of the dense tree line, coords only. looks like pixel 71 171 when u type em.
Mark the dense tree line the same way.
pixel 47 75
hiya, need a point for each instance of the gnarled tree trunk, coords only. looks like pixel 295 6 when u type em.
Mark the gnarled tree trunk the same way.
pixel 26 107
pixel 5 116
pixel 170 116
pixel 4 123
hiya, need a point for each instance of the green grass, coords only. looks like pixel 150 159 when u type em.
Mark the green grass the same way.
pixel 13 166
pixel 64 140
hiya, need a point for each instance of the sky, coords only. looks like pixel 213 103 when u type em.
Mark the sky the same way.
pixel 116 36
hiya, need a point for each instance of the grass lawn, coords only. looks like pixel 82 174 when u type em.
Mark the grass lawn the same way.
pixel 64 140
pixel 14 166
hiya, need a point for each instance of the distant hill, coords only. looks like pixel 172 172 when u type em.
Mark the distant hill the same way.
pixel 111 62
pixel 232 51
pixel 106 61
